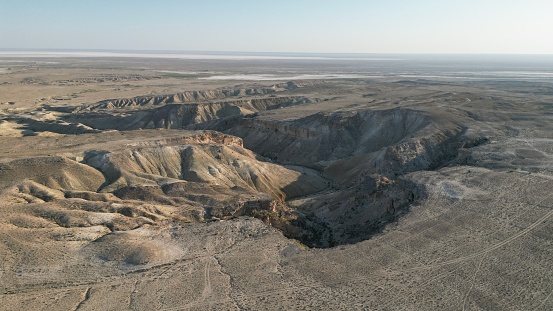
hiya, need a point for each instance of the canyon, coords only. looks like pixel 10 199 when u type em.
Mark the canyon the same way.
pixel 145 190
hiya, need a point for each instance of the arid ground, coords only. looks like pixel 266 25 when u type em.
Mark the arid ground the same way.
pixel 174 184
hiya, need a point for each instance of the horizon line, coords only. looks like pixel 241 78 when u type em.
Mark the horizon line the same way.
pixel 262 52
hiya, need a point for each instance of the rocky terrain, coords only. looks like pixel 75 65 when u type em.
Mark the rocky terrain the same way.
pixel 363 194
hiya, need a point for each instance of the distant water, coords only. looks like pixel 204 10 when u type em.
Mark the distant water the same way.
pixel 296 66
pixel 194 55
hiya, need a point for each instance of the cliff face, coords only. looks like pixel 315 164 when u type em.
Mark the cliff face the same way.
pixel 202 137
pixel 227 165
pixel 348 169
pixel 132 183
pixel 367 154
pixel 186 97
pixel 324 139
pixel 185 110
pixel 55 126
pixel 181 116
pixel 350 149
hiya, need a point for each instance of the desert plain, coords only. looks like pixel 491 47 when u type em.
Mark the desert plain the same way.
pixel 144 183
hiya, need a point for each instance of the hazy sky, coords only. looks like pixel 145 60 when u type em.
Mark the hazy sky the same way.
pixel 359 26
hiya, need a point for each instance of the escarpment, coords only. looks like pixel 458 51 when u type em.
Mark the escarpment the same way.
pixel 199 137
pixel 226 165
pixel 324 178
pixel 180 115
pixel 185 110
pixel 54 126
pixel 189 178
pixel 187 97
pixel 366 154
pixel 321 140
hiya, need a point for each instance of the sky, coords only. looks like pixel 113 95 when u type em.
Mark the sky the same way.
pixel 305 26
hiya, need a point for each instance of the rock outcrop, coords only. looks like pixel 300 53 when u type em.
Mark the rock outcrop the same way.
pixel 218 164
pixel 180 116
pixel 187 97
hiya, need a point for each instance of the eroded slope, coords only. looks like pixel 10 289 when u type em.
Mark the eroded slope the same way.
pixel 94 217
